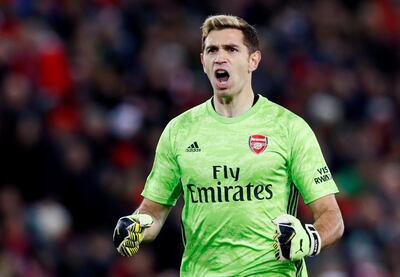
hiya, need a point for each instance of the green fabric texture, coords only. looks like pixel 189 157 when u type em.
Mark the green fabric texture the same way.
pixel 236 175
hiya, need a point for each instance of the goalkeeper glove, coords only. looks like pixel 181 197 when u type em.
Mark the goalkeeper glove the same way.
pixel 293 241
pixel 128 234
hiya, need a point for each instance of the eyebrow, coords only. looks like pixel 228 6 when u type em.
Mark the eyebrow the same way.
pixel 223 46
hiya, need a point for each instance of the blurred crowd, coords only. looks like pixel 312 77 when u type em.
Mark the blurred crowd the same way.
pixel 86 87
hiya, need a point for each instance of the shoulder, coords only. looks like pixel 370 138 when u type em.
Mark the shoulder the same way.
pixel 188 118
pixel 282 116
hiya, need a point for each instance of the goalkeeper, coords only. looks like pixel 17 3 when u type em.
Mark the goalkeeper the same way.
pixel 240 161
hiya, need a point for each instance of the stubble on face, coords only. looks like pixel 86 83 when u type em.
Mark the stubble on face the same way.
pixel 225 60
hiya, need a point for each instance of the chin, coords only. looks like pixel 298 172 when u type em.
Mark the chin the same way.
pixel 226 90
pixel 222 92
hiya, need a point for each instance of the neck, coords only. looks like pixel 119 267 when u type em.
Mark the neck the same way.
pixel 233 105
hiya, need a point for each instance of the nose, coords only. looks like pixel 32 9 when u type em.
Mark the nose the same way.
pixel 220 58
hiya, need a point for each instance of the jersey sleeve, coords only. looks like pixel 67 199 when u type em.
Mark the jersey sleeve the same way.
pixel 163 183
pixel 308 168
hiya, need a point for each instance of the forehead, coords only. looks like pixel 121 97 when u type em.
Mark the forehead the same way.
pixel 223 37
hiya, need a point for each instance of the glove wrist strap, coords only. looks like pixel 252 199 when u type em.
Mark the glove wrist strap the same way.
pixel 315 240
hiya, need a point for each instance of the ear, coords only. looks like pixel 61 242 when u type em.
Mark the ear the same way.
pixel 254 60
pixel 202 61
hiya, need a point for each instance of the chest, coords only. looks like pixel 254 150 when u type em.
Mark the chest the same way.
pixel 232 153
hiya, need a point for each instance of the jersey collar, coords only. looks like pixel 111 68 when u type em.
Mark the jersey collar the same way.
pixel 230 120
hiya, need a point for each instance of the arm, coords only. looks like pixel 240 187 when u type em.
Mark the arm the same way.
pixel 291 233
pixel 159 214
pixel 144 224
pixel 328 219
pixel 313 179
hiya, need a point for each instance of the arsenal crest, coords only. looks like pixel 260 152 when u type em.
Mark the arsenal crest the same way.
pixel 258 143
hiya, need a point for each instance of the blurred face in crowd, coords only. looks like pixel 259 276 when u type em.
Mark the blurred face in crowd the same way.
pixel 227 62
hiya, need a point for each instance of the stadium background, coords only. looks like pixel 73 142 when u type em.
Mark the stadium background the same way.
pixel 86 87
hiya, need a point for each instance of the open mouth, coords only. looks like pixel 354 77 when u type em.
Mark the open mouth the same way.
pixel 222 75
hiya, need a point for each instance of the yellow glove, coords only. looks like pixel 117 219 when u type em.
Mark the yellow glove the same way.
pixel 128 234
pixel 293 241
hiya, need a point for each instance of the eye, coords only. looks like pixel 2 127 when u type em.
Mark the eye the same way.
pixel 212 50
pixel 232 49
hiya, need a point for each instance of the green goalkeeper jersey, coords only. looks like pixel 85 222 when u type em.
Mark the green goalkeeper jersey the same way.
pixel 236 175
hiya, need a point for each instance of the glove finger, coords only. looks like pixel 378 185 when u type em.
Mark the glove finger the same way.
pixel 129 243
pixel 133 250
pixel 282 247
pixel 126 252
pixel 128 248
pixel 121 230
pixel 136 236
pixel 123 251
pixel 286 234
pixel 129 251
pixel 132 236
pixel 137 243
pixel 277 251
pixel 277 255
pixel 135 227
pixel 285 228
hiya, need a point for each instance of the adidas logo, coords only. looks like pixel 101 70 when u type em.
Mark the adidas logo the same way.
pixel 194 147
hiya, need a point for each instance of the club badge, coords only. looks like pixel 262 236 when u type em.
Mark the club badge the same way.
pixel 258 143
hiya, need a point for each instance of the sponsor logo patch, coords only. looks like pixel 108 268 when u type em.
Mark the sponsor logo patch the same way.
pixel 194 147
pixel 258 143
